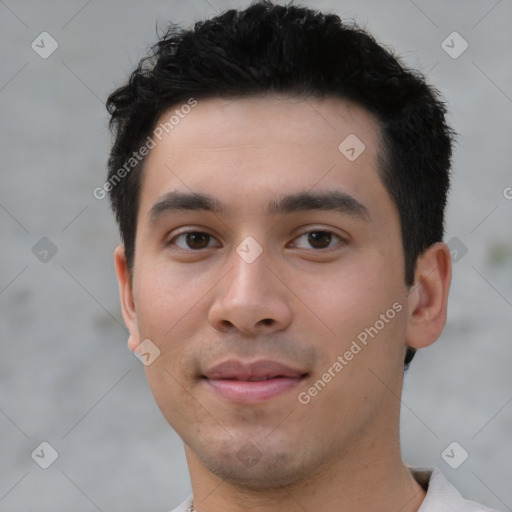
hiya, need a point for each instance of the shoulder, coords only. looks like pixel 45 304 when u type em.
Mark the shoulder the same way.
pixel 185 506
pixel 441 495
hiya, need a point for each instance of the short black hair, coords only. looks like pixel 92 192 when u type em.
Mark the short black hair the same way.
pixel 276 49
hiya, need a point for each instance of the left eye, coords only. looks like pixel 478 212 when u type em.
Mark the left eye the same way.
pixel 318 239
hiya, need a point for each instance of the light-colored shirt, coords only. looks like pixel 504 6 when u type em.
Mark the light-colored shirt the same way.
pixel 441 495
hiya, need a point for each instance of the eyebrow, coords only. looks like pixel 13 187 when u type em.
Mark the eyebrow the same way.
pixel 338 201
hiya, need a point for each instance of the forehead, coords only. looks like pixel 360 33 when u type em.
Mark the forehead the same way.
pixel 248 152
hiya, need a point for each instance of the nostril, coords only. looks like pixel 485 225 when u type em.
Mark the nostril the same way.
pixel 268 321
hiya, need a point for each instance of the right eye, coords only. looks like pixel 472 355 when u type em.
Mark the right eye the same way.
pixel 192 240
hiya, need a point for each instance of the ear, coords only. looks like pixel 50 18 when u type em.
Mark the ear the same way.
pixel 126 294
pixel 428 297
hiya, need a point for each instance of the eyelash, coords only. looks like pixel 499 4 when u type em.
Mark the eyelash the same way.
pixel 184 233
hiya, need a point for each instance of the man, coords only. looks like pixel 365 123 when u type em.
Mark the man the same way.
pixel 279 180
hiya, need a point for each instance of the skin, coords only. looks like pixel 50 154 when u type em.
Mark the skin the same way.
pixel 295 303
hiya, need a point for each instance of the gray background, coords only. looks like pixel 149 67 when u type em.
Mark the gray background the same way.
pixel 66 375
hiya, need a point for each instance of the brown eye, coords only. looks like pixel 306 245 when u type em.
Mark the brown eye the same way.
pixel 193 240
pixel 197 240
pixel 318 239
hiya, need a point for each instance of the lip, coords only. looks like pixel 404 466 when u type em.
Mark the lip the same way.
pixel 253 382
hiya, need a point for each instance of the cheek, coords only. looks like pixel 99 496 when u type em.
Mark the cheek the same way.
pixel 363 323
pixel 347 298
pixel 359 311
pixel 163 296
pixel 168 303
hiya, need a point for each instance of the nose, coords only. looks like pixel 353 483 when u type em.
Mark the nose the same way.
pixel 251 299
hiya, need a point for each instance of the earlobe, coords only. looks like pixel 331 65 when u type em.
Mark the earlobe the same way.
pixel 428 297
pixel 126 296
pixel 132 343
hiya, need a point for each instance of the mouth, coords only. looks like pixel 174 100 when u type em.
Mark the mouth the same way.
pixel 254 382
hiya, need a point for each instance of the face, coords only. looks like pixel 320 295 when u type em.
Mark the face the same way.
pixel 278 303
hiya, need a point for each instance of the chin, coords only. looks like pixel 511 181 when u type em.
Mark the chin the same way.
pixel 259 467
